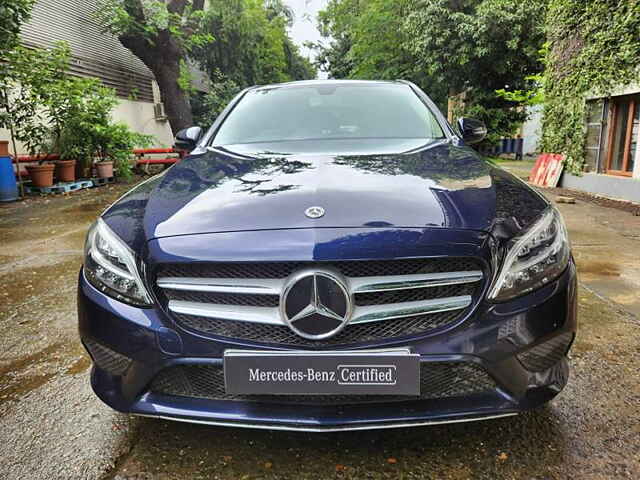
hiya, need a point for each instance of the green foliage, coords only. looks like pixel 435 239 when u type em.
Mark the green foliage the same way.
pixel 251 47
pixel 486 44
pixel 251 43
pixel 33 100
pixel 478 47
pixel 152 19
pixel 245 40
pixel 184 79
pixel 368 41
pixel 206 107
pixel 530 97
pixel 594 49
pixel 13 13
pixel 115 142
pixel 446 47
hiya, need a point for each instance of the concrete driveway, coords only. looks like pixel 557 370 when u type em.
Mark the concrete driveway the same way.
pixel 51 425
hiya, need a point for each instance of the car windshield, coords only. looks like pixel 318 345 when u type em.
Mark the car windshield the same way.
pixel 389 114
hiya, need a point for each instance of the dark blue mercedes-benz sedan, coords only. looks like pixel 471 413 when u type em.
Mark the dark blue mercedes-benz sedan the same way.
pixel 330 256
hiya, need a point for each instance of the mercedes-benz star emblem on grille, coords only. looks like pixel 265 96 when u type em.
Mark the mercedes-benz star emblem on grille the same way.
pixel 316 304
pixel 314 212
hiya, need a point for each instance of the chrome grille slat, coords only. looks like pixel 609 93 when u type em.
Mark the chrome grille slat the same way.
pixel 389 311
pixel 254 286
pixel 404 282
pixel 241 313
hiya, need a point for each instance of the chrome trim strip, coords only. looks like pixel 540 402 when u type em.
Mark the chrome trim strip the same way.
pixel 389 311
pixel 320 429
pixel 253 286
pixel 232 352
pixel 242 313
pixel 405 282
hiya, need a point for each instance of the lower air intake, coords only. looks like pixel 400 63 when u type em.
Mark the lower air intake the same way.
pixel 547 354
pixel 437 380
pixel 106 359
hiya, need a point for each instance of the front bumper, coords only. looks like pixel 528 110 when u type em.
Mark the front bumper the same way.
pixel 520 344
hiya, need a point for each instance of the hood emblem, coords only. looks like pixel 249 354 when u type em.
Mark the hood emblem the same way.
pixel 315 304
pixel 314 212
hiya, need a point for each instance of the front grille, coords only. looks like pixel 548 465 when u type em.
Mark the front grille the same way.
pixel 221 285
pixel 113 362
pixel 437 380
pixel 547 354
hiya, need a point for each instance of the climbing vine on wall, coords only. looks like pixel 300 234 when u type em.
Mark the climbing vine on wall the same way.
pixel 594 49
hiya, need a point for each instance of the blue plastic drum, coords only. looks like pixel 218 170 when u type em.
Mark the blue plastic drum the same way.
pixel 8 185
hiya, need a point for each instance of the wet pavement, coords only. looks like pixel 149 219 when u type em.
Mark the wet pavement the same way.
pixel 51 425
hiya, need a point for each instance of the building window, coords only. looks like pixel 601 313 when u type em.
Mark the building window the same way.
pixel 622 135
pixel 595 115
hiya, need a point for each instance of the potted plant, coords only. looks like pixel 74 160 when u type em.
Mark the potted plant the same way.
pixel 104 168
pixel 115 149
pixel 34 138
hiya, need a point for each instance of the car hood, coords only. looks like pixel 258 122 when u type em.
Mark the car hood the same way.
pixel 440 186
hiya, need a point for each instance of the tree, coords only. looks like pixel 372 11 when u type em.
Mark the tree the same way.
pixel 244 40
pixel 251 44
pixel 161 34
pixel 476 47
pixel 368 41
pixel 13 14
pixel 447 47
pixel 251 47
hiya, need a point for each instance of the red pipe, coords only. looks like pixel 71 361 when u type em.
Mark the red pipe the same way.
pixel 143 151
pixel 157 161
pixel 55 156
pixel 34 158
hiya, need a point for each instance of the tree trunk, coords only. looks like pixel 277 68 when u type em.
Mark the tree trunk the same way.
pixel 163 59
pixel 176 101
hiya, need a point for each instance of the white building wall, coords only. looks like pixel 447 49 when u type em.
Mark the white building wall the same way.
pixel 531 130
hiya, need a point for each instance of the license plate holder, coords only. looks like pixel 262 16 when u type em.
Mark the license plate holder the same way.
pixel 371 372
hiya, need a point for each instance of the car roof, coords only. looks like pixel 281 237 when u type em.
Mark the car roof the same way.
pixel 320 83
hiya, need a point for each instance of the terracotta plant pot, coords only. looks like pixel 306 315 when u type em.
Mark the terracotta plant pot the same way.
pixel 66 170
pixel 4 148
pixel 104 169
pixel 41 175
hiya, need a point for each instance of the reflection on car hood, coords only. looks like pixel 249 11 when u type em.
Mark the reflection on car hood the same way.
pixel 441 186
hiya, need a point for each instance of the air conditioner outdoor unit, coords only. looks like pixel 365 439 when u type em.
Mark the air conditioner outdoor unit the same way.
pixel 158 112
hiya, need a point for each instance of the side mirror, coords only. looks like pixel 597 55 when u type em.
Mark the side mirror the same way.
pixel 473 131
pixel 188 138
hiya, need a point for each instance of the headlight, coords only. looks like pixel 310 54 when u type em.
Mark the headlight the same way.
pixel 110 266
pixel 533 259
